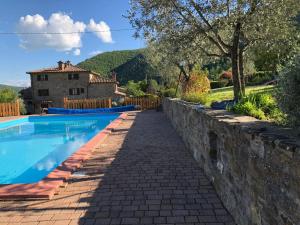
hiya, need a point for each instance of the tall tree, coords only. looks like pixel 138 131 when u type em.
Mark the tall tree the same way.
pixel 219 28
pixel 178 59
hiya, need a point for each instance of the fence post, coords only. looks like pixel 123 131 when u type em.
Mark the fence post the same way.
pixel 18 107
pixel 109 103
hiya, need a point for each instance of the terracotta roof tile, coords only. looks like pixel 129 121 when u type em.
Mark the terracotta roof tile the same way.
pixel 68 68
pixel 99 79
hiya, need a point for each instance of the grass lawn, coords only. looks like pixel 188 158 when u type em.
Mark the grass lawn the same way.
pixel 226 93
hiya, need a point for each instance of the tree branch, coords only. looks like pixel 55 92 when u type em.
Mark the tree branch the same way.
pixel 210 54
pixel 198 9
pixel 200 28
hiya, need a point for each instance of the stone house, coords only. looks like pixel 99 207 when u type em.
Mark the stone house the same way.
pixel 50 86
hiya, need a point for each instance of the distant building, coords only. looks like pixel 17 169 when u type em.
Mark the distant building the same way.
pixel 51 85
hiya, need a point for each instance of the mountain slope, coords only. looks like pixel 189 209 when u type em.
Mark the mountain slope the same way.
pixel 17 89
pixel 128 64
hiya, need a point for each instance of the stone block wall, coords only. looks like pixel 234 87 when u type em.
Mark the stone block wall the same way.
pixel 103 90
pixel 253 165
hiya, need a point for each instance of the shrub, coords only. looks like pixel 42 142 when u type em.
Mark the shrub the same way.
pixel 226 75
pixel 198 82
pixel 153 87
pixel 195 98
pixel 260 106
pixel 248 108
pixel 288 92
pixel 197 88
pixel 170 92
pixel 8 95
pixel 23 110
pixel 260 77
pixel 218 84
pixel 134 89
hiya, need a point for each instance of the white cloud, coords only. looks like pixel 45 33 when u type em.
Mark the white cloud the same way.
pixel 76 52
pixel 95 52
pixel 101 30
pixel 57 23
pixel 47 32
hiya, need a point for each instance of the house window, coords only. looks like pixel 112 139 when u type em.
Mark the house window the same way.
pixel 76 91
pixel 43 92
pixel 42 77
pixel 73 76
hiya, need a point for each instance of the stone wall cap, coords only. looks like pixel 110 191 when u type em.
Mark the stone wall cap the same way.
pixel 282 137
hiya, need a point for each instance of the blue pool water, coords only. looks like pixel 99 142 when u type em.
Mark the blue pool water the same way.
pixel 32 147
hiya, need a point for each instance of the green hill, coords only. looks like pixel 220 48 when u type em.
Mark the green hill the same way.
pixel 128 64
pixel 17 89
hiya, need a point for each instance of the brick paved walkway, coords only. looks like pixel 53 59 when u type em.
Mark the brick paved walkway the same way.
pixel 141 175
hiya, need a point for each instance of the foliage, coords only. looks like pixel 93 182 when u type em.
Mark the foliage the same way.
pixel 128 64
pixel 195 97
pixel 8 95
pixel 136 69
pixel 198 82
pixel 142 88
pixel 226 75
pixel 218 84
pixel 169 92
pixel 248 108
pixel 197 87
pixel 23 110
pixel 134 89
pixel 142 85
pixel 259 105
pixel 216 28
pixel 152 87
pixel 216 67
pixel 288 94
pixel 260 77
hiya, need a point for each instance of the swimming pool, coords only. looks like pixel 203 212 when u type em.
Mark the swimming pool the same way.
pixel 32 147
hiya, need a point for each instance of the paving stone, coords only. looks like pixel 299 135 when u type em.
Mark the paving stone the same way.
pixel 140 174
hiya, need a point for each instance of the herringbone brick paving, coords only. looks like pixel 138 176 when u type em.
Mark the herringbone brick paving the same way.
pixel 141 174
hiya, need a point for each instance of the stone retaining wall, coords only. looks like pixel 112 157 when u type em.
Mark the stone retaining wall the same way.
pixel 255 169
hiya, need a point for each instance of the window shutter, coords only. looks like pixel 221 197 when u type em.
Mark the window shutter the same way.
pixel 70 76
pixel 70 91
pixel 38 77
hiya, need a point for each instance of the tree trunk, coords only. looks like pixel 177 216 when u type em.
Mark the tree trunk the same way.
pixel 179 78
pixel 241 71
pixel 237 89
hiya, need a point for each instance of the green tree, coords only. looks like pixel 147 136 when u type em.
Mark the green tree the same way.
pixel 8 95
pixel 134 89
pixel 288 94
pixel 221 28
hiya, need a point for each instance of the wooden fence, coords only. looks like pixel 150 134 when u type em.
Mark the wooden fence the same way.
pixel 143 102
pixel 10 109
pixel 87 103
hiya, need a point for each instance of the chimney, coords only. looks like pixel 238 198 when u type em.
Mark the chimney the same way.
pixel 114 76
pixel 67 63
pixel 60 65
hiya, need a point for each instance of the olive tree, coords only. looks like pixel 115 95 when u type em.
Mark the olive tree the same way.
pixel 218 28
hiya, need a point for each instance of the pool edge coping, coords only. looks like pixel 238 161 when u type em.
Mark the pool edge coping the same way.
pixel 48 186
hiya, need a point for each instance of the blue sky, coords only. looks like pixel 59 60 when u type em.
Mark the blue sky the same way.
pixel 21 53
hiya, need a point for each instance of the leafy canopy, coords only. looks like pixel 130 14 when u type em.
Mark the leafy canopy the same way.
pixel 8 95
